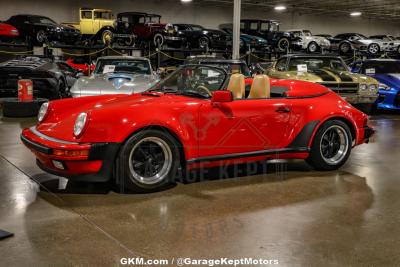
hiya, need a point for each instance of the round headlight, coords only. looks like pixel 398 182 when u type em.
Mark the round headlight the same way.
pixel 43 111
pixel 363 86
pixel 372 87
pixel 80 124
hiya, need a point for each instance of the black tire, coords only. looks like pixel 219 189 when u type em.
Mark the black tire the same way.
pixel 318 159
pixel 106 37
pixel 204 42
pixel 283 44
pixel 158 40
pixel 373 49
pixel 130 176
pixel 12 108
pixel 40 36
pixel 398 50
pixel 313 47
pixel 344 48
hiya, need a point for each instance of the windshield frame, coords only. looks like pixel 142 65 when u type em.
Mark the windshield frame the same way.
pixel 95 71
pixel 319 58
pixel 158 86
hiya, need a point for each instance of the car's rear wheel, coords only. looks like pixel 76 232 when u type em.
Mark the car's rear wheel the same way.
pixel 331 146
pixel 148 161
pixel 312 47
pixel 158 40
pixel 204 42
pixel 344 48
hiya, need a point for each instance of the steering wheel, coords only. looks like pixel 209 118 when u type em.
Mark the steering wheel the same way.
pixel 204 89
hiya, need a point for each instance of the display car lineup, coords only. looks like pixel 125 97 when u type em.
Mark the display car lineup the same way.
pixel 140 29
pixel 106 130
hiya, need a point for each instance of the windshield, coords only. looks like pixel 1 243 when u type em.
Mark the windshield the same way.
pixel 153 19
pixel 381 67
pixel 197 81
pixel 43 20
pixel 297 33
pixel 196 28
pixel 274 27
pixel 231 68
pixel 122 65
pixel 307 33
pixel 312 64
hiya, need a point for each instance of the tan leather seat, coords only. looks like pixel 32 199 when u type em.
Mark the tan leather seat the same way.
pixel 260 87
pixel 237 85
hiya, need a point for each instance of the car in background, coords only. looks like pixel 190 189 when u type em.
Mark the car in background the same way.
pixel 198 124
pixel 387 72
pixel 117 75
pixel 254 43
pixel 391 39
pixel 8 33
pixel 81 64
pixel 98 24
pixel 40 29
pixel 150 31
pixel 304 40
pixel 269 30
pixel 331 72
pixel 51 79
pixel 348 42
pixel 197 36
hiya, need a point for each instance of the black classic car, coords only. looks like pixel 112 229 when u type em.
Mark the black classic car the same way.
pixel 198 37
pixel 39 29
pixel 51 79
pixel 269 30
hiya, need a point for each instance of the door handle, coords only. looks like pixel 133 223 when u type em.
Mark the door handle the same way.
pixel 282 109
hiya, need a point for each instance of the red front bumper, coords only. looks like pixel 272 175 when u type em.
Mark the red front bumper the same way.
pixel 364 134
pixel 85 162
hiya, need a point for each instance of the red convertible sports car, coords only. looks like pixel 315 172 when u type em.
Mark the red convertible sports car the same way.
pixel 196 117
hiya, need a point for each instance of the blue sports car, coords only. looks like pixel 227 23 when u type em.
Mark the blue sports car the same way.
pixel 387 72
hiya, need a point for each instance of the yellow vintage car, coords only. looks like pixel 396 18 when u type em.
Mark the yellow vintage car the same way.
pixel 100 24
pixel 330 71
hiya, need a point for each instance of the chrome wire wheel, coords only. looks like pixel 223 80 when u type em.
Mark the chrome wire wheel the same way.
pixel 334 144
pixel 150 160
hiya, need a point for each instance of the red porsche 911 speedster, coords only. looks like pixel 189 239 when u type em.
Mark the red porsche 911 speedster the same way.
pixel 199 116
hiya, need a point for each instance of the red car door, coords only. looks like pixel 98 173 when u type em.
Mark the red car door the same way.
pixel 242 126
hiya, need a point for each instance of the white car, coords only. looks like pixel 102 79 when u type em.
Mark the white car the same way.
pixel 304 40
pixel 393 43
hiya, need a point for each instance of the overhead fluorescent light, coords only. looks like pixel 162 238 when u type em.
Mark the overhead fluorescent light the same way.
pixel 355 14
pixel 186 1
pixel 280 8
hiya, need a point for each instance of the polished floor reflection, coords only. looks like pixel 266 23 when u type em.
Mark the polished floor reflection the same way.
pixel 289 213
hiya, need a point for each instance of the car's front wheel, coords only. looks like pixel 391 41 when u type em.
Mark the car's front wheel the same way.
pixel 331 146
pixel 148 161
pixel 373 49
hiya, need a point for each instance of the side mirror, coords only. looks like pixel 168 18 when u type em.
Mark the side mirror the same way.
pixel 221 96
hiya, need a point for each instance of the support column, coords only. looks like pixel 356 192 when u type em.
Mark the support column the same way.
pixel 237 5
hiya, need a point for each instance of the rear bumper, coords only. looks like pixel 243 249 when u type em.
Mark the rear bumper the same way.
pixel 364 134
pixel 95 166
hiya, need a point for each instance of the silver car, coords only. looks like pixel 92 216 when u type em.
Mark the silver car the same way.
pixel 305 40
pixel 117 75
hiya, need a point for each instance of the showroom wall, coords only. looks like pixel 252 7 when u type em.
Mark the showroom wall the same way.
pixel 208 15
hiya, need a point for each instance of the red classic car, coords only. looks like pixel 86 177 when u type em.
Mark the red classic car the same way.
pixel 80 64
pixel 8 32
pixel 196 117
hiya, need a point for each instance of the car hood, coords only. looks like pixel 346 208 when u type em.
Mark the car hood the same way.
pixel 113 83
pixel 390 79
pixel 327 75
pixel 103 111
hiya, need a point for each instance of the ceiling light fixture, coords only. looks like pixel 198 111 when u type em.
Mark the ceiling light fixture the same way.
pixel 280 8
pixel 186 1
pixel 355 14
